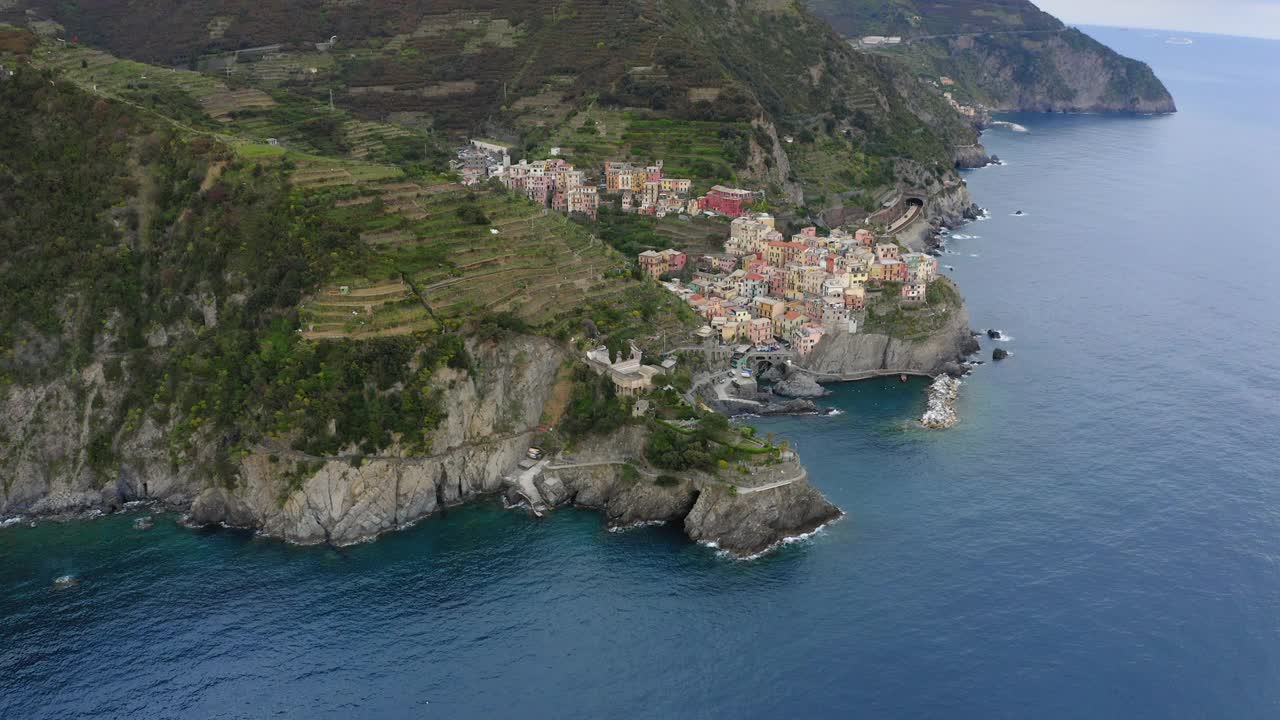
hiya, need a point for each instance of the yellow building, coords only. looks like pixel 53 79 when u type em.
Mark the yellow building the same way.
pixel 769 307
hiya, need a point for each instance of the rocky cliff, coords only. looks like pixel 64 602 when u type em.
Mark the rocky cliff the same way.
pixel 1005 54
pixel 491 414
pixel 857 356
pixel 1066 71
pixel 710 510
pixel 745 524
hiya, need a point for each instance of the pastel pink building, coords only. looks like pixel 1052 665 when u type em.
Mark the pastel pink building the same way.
pixel 675 260
pixel 777 281
pixel 810 336
pixel 760 331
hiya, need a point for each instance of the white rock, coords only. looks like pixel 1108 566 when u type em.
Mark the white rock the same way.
pixel 941 411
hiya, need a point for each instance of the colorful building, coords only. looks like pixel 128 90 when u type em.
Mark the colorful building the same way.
pixel 653 263
pixel 679 186
pixel 760 331
pixel 753 284
pixel 584 200
pixel 766 306
pixel 855 297
pixel 733 202
pixel 808 338
pixel 888 251
pixel 676 260
pixel 791 323
pixel 921 268
pixel 781 254
pixel 889 271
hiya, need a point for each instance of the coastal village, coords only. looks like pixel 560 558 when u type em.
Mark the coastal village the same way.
pixel 556 183
pixel 764 293
pixel 766 290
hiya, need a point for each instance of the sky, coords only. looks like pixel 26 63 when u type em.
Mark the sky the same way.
pixel 1256 18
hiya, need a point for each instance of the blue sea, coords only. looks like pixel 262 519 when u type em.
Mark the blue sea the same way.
pixel 1098 538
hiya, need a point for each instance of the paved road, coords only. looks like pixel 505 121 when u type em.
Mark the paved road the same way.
pixel 602 463
pixel 698 381
pixel 799 475
pixel 908 41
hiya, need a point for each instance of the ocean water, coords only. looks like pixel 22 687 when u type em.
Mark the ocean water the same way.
pixel 1098 538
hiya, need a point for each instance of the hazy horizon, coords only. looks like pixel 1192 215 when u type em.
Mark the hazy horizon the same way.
pixel 1243 18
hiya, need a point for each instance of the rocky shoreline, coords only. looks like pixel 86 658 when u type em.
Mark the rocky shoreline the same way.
pixel 490 419
pixel 734 518
pixel 740 522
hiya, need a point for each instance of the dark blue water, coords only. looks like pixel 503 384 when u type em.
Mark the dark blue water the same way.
pixel 1098 538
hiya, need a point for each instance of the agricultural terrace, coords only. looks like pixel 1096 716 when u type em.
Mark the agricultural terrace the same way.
pixel 433 254
pixel 438 254
pixel 708 152
pixel 204 103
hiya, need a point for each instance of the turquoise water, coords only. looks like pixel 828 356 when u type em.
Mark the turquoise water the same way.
pixel 1099 537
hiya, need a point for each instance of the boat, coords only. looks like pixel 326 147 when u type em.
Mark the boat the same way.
pixel 902 377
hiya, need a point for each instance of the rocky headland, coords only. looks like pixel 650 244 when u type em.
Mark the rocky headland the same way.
pixel 491 417
pixel 863 355
pixel 743 515
pixel 1004 55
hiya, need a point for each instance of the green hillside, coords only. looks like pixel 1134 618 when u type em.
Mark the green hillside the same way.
pixel 711 86
pixel 917 18
pixel 1005 54
pixel 237 288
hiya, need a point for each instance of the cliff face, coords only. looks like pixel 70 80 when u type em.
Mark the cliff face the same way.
pixel 744 524
pixel 844 356
pixel 1005 54
pixel 1066 71
pixel 490 415
pixel 490 419
pixel 740 522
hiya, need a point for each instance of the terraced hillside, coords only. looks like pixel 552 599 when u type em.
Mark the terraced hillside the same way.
pixel 440 254
pixel 242 116
pixel 429 254
pixel 711 87
pixel 711 151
